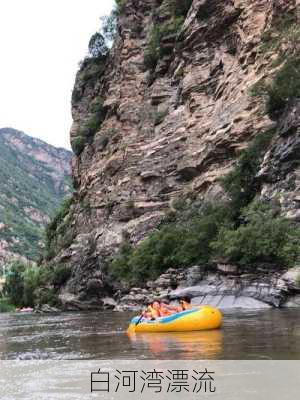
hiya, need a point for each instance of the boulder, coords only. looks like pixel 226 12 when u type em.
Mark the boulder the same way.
pixel 292 278
pixel 46 309
pixel 109 303
pixel 227 268
pixel 293 302
pixel 194 275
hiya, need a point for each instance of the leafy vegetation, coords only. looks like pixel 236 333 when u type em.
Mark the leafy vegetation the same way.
pixel 56 226
pixel 263 237
pixel 284 31
pixel 29 194
pixel 285 86
pixel 180 7
pixel 120 6
pixel 78 144
pixel 5 306
pixel 282 39
pixel 160 115
pixel 97 45
pixel 30 285
pixel 152 51
pixel 181 243
pixel 241 184
pixel 156 47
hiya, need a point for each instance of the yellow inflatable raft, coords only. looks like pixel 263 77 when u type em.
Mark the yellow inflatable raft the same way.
pixel 195 319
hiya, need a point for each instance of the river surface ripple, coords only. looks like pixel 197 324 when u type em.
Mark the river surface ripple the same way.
pixel 250 334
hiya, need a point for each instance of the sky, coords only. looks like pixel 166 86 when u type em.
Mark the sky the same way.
pixel 41 44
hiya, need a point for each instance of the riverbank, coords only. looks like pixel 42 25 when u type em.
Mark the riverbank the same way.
pixel 223 286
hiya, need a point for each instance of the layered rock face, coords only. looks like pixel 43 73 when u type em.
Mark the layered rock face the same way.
pixel 174 131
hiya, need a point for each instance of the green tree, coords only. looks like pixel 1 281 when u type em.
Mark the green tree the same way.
pixel 14 284
pixel 264 236
pixel 285 86
pixel 241 184
pixel 97 45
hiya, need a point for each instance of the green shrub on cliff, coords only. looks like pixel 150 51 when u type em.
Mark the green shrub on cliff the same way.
pixel 60 275
pixel 120 5
pixel 264 236
pixel 163 34
pixel 56 225
pixel 151 55
pixel 97 46
pixel 78 144
pixel 180 7
pixel 285 87
pixel 241 183
pixel 200 236
pixel 177 244
pixel 280 34
pixel 156 48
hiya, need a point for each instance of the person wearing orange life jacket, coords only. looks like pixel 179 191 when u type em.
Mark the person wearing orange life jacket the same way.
pixel 167 309
pixel 153 310
pixel 184 304
pixel 158 309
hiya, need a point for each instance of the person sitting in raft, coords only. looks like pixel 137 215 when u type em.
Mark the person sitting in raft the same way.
pixel 167 309
pixel 153 310
pixel 158 309
pixel 184 304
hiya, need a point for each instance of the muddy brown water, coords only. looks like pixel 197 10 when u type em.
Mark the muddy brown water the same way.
pixel 251 334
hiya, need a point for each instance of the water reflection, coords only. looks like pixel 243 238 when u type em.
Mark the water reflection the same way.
pixel 187 345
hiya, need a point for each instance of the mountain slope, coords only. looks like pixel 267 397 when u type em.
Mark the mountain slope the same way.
pixel 33 181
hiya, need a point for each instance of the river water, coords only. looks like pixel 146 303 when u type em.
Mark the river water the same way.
pixel 268 334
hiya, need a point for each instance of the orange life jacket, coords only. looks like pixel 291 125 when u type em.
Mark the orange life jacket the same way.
pixel 153 313
pixel 165 311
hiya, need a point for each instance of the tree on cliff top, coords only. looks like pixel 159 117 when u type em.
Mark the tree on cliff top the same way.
pixel 97 45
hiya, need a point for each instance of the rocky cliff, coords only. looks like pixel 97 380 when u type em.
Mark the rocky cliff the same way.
pixel 167 113
pixel 34 179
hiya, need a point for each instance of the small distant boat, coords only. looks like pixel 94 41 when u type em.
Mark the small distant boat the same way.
pixel 195 319
pixel 24 310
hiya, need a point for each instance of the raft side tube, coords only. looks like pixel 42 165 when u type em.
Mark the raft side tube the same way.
pixel 195 319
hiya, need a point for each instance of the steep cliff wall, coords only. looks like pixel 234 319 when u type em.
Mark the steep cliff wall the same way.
pixel 151 126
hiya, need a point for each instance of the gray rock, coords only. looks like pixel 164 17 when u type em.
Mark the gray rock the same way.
pixel 109 303
pixel 230 301
pixel 227 268
pixel 46 309
pixel 292 278
pixel 193 275
pixel 127 307
pixel 293 302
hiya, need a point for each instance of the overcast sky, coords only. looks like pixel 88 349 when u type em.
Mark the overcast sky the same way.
pixel 41 44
